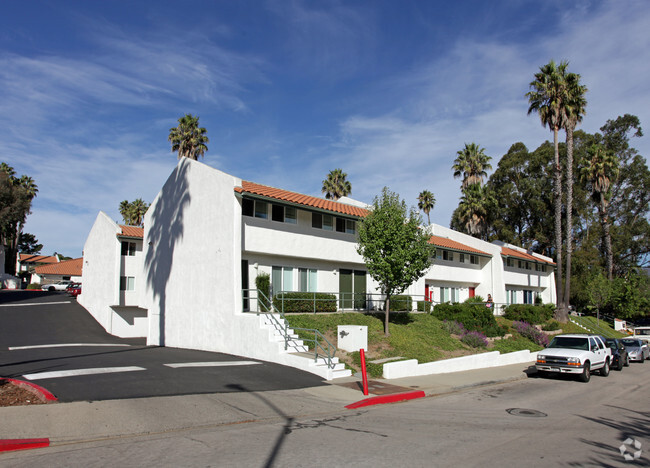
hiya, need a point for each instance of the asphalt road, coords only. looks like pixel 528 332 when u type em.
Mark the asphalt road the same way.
pixel 49 339
pixel 538 422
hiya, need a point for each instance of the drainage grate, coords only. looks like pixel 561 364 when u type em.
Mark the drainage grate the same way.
pixel 529 413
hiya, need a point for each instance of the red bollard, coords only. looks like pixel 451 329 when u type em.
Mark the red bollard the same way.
pixel 364 374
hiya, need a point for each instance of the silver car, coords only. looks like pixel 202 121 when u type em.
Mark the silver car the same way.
pixel 637 350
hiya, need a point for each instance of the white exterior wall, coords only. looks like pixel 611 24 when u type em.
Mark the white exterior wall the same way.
pixel 100 276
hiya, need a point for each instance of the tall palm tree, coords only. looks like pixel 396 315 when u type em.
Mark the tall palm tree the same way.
pixel 188 139
pixel 336 185
pixel 470 164
pixel 426 202
pixel 474 209
pixel 126 212
pixel 600 169
pixel 548 97
pixel 573 112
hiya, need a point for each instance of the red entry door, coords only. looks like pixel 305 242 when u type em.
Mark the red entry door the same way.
pixel 472 292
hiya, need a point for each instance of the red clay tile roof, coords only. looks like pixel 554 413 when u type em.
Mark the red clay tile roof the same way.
pixel 30 258
pixel 132 231
pixel 67 267
pixel 450 244
pixel 299 199
pixel 508 252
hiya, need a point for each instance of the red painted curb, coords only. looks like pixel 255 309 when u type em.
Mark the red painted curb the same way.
pixel 45 394
pixel 383 399
pixel 8 445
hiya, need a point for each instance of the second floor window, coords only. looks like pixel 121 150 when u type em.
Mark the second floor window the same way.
pixel 128 249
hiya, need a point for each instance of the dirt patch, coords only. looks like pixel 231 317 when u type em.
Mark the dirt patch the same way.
pixel 15 395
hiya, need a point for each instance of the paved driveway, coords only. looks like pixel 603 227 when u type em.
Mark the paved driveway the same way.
pixel 50 340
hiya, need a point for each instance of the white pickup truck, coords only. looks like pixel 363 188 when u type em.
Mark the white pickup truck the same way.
pixel 575 354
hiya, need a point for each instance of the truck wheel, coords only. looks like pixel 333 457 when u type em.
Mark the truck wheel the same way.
pixel 586 373
pixel 604 371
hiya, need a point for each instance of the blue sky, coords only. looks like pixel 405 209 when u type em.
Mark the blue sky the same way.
pixel 289 90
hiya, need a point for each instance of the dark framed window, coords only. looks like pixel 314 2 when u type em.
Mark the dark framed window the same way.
pixel 317 220
pixel 248 207
pixel 340 225
pixel 128 248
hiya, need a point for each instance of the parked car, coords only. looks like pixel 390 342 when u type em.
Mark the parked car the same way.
pixel 643 334
pixel 74 290
pixel 636 349
pixel 620 357
pixel 575 354
pixel 58 286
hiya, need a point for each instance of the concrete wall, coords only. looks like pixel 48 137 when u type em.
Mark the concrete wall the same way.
pixel 100 277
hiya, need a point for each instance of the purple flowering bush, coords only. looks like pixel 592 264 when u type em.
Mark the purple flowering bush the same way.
pixel 453 327
pixel 533 334
pixel 475 339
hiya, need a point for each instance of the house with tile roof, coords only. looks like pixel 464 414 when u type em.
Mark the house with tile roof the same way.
pixel 57 271
pixel 208 235
pixel 26 263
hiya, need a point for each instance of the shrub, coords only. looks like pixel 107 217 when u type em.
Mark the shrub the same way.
pixel 425 306
pixel 263 285
pixel 34 286
pixel 474 339
pixel 474 300
pixel 472 316
pixel 401 303
pixel 528 313
pixel 453 328
pixel 533 334
pixel 551 326
pixel 305 302
pixel 495 330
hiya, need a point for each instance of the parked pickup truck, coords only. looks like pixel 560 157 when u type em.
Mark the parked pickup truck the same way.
pixel 575 354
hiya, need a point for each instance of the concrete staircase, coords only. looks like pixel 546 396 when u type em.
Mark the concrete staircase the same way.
pixel 297 353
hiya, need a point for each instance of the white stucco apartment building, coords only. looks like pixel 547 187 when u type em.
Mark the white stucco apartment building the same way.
pixel 208 235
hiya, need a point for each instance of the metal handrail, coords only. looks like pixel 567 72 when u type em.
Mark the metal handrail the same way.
pixel 283 327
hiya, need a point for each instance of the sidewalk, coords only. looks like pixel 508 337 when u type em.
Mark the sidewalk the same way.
pixel 86 421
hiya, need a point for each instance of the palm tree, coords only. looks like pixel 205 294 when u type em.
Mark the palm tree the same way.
pixel 336 185
pixel 138 210
pixel 126 212
pixel 600 169
pixel 474 209
pixel 470 164
pixel 574 110
pixel 426 202
pixel 548 98
pixel 188 139
pixel 7 169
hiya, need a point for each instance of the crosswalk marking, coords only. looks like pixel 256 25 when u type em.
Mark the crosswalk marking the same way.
pixel 76 372
pixel 62 345
pixel 213 364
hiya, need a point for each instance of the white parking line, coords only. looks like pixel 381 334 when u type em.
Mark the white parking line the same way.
pixel 62 345
pixel 76 372
pixel 213 364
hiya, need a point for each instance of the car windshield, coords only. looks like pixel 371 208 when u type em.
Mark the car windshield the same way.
pixel 643 331
pixel 631 343
pixel 571 342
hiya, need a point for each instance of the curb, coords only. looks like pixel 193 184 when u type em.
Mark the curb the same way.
pixel 384 399
pixel 8 445
pixel 40 392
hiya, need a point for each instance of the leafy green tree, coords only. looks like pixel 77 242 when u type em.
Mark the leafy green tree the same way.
pixel 188 139
pixel 426 202
pixel 574 110
pixel 28 243
pixel 16 195
pixel 548 97
pixel 395 249
pixel 599 291
pixel 471 164
pixel 336 185
pixel 630 297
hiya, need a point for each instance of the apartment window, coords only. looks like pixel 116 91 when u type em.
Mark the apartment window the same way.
pixel 511 296
pixel 461 258
pixel 350 226
pixel 328 223
pixel 510 262
pixel 473 259
pixel 447 255
pixel 528 266
pixel 439 254
pixel 127 283
pixel 317 220
pixel 340 225
pixel 541 268
pixel 248 207
pixel 128 249
pixel 256 208
pixel 283 214
pixel 449 294
pixel 281 279
pixel 528 297
pixel 261 209
pixel 307 280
